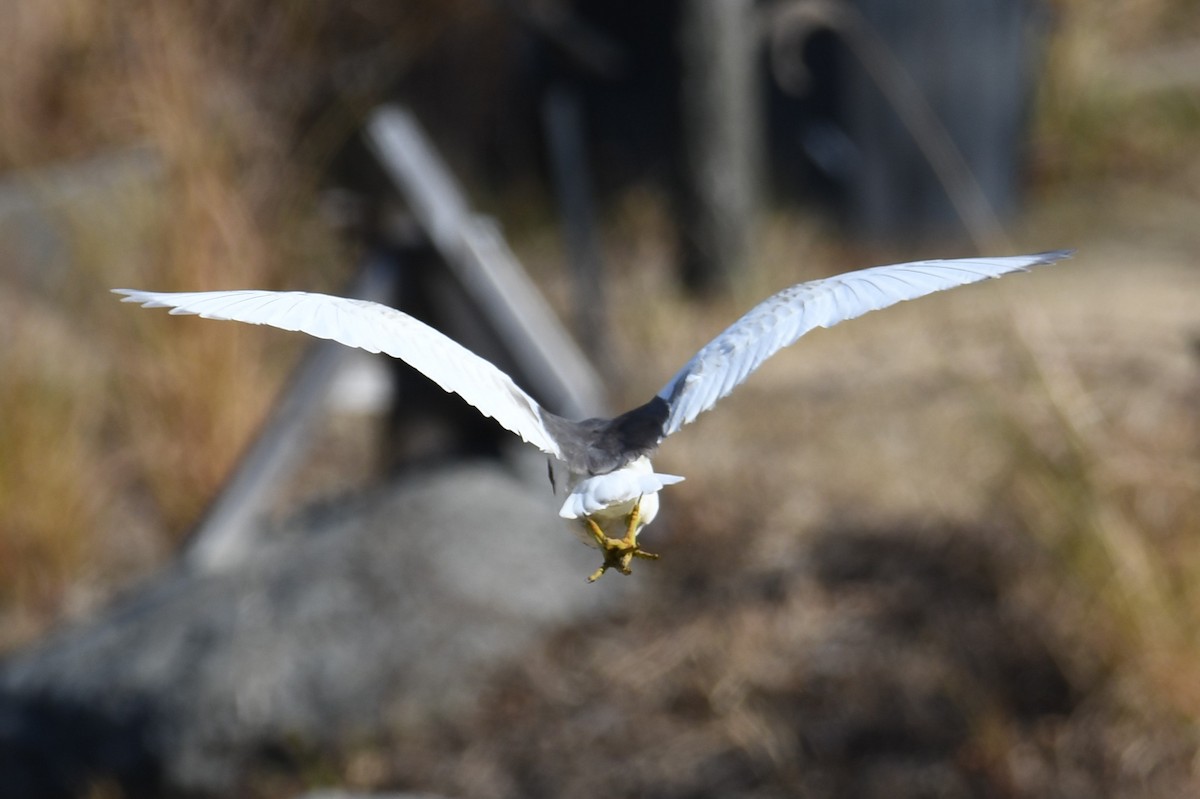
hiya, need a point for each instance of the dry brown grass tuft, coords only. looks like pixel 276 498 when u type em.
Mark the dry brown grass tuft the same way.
pixel 119 426
pixel 236 110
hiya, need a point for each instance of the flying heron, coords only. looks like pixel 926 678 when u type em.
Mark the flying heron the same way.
pixel 612 488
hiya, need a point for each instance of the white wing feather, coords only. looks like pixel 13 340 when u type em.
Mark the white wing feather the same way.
pixel 375 328
pixel 779 320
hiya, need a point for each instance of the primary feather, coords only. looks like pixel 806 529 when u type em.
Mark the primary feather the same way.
pixel 779 320
pixel 375 328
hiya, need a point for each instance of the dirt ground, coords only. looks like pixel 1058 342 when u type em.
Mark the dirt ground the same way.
pixel 913 557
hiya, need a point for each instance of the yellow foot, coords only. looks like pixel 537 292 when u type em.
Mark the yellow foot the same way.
pixel 618 552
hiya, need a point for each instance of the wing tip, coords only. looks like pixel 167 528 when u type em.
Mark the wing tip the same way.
pixel 144 298
pixel 148 299
pixel 1052 256
pixel 1036 259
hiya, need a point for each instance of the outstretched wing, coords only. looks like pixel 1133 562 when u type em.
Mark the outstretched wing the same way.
pixel 375 328
pixel 779 320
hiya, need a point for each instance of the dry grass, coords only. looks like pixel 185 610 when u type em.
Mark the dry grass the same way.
pixel 122 425
pixel 122 421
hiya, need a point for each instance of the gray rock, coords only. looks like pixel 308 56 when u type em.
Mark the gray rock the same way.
pixel 383 611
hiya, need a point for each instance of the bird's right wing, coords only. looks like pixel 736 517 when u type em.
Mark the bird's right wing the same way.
pixel 375 328
pixel 779 320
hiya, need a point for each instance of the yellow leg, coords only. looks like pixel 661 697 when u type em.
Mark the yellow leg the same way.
pixel 631 532
pixel 597 533
pixel 632 528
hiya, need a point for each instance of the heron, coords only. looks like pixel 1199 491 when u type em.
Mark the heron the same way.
pixel 611 488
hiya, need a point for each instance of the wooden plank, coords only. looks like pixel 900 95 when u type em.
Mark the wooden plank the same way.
pixel 224 535
pixel 552 366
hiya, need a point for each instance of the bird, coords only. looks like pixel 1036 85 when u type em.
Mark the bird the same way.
pixel 611 488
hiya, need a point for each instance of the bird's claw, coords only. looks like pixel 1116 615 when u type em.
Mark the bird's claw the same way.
pixel 618 557
pixel 618 552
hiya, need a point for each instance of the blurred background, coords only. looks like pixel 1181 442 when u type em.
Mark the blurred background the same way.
pixel 949 549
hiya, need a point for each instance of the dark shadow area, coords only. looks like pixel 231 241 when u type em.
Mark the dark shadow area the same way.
pixel 947 592
pixel 879 663
pixel 52 746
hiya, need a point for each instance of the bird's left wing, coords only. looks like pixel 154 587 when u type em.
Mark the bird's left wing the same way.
pixel 779 320
pixel 375 328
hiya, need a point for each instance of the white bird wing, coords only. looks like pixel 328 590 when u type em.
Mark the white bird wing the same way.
pixel 375 328
pixel 779 320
